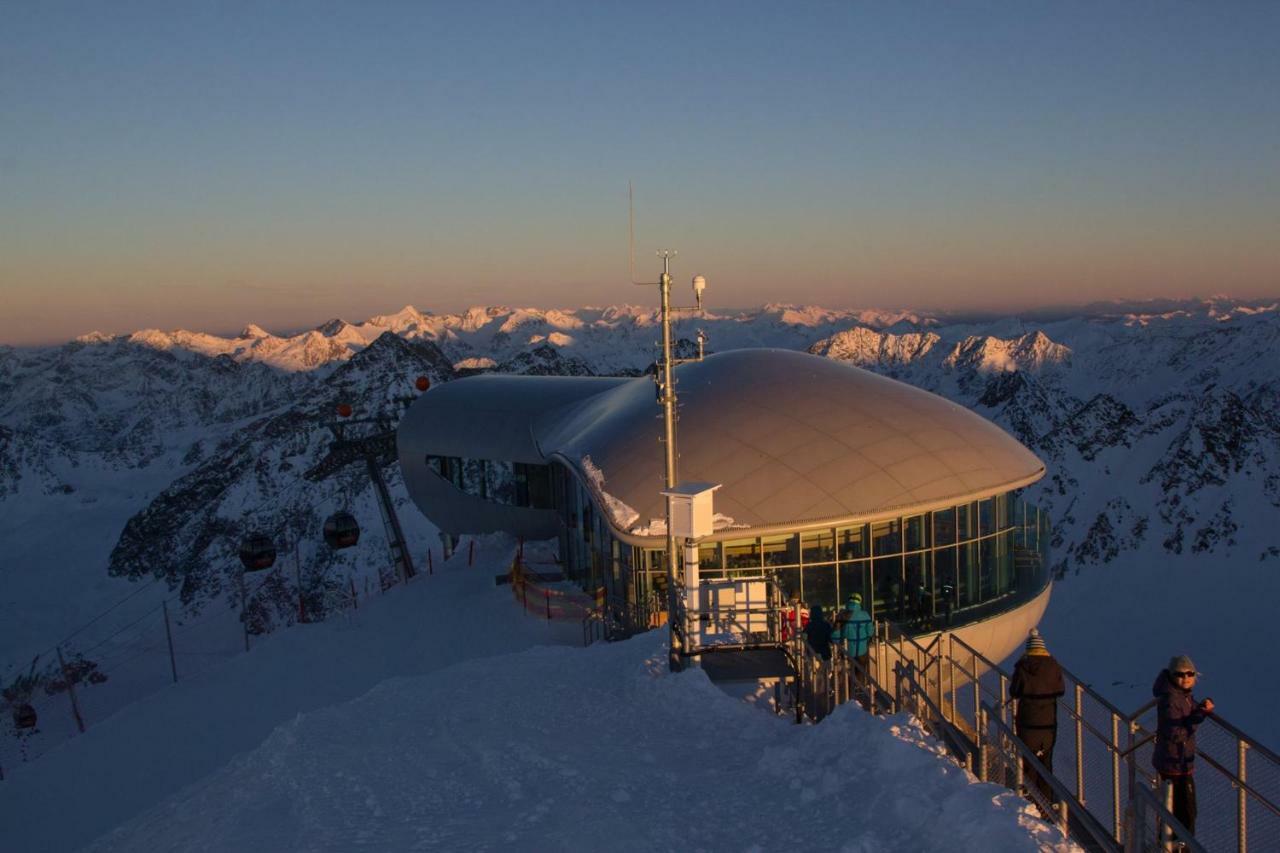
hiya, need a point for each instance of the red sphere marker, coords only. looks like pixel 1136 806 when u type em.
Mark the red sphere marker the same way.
pixel 422 383
pixel 344 410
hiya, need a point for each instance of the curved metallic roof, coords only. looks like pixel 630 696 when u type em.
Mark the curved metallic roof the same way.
pixel 794 439
pixel 490 416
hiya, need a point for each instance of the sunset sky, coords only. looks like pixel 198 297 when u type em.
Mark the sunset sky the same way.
pixel 207 165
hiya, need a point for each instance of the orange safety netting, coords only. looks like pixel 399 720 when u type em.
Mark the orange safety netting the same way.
pixel 541 598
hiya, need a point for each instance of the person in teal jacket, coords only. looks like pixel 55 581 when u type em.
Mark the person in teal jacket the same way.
pixel 855 630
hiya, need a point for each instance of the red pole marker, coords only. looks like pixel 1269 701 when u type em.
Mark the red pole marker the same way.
pixel 548 594
pixel 430 568
pixel 471 553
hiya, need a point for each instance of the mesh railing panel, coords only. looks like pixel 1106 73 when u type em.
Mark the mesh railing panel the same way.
pixel 1262 773
pixel 1092 756
pixel 1217 824
pixel 1102 773
pixel 1152 832
pixel 1217 792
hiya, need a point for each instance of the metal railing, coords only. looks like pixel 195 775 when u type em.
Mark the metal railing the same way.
pixel 822 684
pixel 1005 759
pixel 1101 761
pixel 1237 781
pixel 1154 829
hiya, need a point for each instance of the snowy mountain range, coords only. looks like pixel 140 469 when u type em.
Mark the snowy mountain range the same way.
pixel 148 455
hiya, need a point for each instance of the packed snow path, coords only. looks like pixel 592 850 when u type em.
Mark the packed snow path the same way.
pixel 548 748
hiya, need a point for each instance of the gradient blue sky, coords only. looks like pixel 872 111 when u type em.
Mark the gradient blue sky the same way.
pixel 206 165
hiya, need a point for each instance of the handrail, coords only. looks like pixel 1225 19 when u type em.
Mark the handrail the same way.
pixel 992 665
pixel 1253 744
pixel 973 676
pixel 1230 775
pixel 1188 840
pixel 1082 815
pixel 1221 723
pixel 1237 782
pixel 949 729
pixel 1142 710
pixel 1093 693
pixel 865 672
pixel 959 665
pixel 1146 740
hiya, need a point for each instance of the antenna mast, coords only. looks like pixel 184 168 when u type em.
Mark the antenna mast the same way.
pixel 681 641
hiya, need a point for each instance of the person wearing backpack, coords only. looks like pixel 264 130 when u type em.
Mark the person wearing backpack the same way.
pixel 818 633
pixel 854 630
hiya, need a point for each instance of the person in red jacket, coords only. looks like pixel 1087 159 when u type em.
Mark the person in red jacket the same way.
pixel 1178 715
pixel 1037 684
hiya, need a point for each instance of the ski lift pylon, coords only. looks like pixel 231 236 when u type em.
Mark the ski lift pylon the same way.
pixel 341 530
pixel 257 552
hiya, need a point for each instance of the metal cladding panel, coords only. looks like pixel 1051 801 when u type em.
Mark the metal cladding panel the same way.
pixel 491 416
pixel 792 437
pixel 775 423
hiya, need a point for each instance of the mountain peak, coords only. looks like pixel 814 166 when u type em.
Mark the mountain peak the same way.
pixel 254 331
pixel 407 319
pixel 332 327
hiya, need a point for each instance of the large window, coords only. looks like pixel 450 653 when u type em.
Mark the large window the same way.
pixel 742 554
pixel 506 483
pixel 929 571
pixel 818 546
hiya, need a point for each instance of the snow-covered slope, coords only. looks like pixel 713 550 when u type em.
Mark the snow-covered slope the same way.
pixel 438 718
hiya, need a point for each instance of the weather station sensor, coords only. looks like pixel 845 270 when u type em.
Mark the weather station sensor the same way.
pixel 692 511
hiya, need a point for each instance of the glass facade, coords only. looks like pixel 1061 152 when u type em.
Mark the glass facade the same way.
pixel 928 571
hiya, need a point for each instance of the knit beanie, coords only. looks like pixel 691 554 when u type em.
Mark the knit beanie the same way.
pixel 1181 663
pixel 1035 645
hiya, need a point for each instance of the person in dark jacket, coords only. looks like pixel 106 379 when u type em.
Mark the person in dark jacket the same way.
pixel 1178 715
pixel 1037 684
pixel 818 633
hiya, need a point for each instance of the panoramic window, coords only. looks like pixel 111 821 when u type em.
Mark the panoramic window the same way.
pixel 506 483
pixel 930 571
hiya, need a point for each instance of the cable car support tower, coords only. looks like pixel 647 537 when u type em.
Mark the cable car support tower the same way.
pixel 375 448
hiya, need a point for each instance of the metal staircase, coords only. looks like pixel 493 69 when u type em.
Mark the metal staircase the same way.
pixel 1104 794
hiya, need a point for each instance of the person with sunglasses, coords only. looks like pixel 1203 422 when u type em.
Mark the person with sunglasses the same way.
pixel 1178 716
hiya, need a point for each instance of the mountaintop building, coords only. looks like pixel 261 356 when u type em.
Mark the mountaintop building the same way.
pixel 834 480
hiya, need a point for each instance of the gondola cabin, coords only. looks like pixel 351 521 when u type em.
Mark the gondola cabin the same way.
pixel 341 530
pixel 257 552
